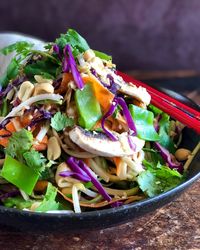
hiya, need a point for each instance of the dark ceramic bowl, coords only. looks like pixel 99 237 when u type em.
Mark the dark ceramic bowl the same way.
pixel 44 222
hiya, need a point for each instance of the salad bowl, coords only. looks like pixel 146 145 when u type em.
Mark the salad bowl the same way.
pixel 99 219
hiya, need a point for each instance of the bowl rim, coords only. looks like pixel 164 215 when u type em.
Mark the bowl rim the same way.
pixel 106 211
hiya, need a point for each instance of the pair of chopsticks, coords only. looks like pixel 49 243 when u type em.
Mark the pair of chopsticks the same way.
pixel 176 109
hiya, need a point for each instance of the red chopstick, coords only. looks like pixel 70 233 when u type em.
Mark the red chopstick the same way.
pixel 176 109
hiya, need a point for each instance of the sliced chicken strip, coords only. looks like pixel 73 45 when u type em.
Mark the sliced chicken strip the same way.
pixel 138 93
pixel 100 144
pixel 130 89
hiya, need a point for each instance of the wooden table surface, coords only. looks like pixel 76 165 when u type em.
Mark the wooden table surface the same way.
pixel 175 226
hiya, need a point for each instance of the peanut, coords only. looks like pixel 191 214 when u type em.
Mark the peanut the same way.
pixel 25 91
pixel 182 154
pixel 88 55
pixel 53 149
pixel 43 88
pixel 40 79
pixel 10 94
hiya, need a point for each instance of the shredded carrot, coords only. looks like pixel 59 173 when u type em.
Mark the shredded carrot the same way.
pixel 10 127
pixel 117 161
pixel 67 77
pixel 41 146
pixel 86 161
pixel 103 95
pixel 41 186
pixel 6 132
pixel 25 120
pixel 4 141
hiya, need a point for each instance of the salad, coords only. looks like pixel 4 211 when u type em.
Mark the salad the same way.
pixel 75 137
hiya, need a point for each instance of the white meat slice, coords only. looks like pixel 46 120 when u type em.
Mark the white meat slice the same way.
pixel 138 93
pixel 130 89
pixel 100 144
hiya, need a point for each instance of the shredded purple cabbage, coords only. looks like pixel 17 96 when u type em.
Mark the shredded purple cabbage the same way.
pixel 167 157
pixel 156 123
pixel 94 180
pixel 131 144
pixel 65 62
pixel 127 115
pixel 56 49
pixel 72 65
pixel 11 85
pixel 117 204
pixel 83 171
pixel 9 194
pixel 109 113
pixel 75 175
pixel 73 163
pixel 5 122
pixel 16 102
pixel 132 129
pixel 113 86
pixel 93 71
pixel 56 83
pixel 43 116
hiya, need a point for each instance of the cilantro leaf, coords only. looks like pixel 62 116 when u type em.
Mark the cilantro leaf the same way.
pixel 143 120
pixel 153 157
pixel 19 143
pixel 45 68
pixel 22 50
pixel 154 181
pixel 165 140
pixel 18 47
pixel 76 41
pixel 10 73
pixel 49 202
pixel 35 160
pixel 60 121
pixel 17 202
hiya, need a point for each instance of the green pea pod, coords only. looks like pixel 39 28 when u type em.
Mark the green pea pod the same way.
pixel 143 120
pixel 88 107
pixel 19 174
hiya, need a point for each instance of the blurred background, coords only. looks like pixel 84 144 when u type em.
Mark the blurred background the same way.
pixel 151 39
